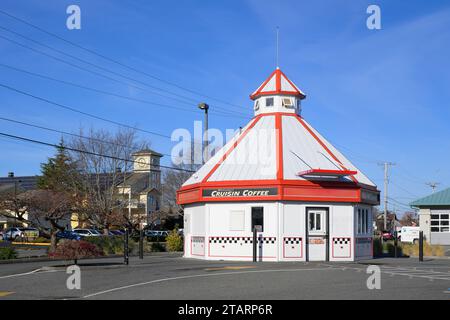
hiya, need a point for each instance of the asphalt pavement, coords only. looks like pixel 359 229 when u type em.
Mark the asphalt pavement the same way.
pixel 169 276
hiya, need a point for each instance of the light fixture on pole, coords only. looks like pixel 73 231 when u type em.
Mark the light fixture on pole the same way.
pixel 205 107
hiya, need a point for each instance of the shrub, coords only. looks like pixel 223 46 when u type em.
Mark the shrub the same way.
pixel 174 241
pixel 377 248
pixel 7 253
pixel 74 250
pixel 109 245
pixel 157 247
pixel 390 248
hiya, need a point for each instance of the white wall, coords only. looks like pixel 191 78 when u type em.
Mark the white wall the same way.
pixel 194 225
pixel 225 235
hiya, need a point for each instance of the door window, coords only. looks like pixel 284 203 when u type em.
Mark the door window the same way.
pixel 315 221
pixel 258 217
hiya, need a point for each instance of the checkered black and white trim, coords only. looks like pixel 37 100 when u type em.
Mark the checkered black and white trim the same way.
pixel 292 240
pixel 265 240
pixel 341 240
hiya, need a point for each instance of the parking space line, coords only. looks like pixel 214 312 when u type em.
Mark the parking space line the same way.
pixel 20 274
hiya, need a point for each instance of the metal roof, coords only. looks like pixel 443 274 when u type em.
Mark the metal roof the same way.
pixel 277 83
pixel 441 198
pixel 252 154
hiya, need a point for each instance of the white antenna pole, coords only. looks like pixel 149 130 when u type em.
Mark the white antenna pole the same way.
pixel 278 31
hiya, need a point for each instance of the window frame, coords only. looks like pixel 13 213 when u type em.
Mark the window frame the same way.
pixel 290 105
pixel 272 99
pixel 440 222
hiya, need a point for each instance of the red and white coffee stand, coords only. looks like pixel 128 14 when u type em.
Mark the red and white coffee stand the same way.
pixel 279 173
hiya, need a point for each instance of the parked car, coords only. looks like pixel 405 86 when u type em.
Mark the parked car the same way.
pixel 156 235
pixel 70 235
pixel 409 234
pixel 87 232
pixel 16 233
pixel 117 232
pixel 387 235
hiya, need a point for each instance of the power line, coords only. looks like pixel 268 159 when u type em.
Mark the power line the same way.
pixel 407 191
pixel 82 112
pixel 216 113
pixel 103 75
pixel 398 202
pixel 71 134
pixel 84 151
pixel 115 61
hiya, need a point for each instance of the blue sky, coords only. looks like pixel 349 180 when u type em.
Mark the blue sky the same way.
pixel 377 95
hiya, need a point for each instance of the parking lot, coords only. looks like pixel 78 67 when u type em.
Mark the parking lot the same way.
pixel 169 276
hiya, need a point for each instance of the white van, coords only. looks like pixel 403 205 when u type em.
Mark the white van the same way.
pixel 409 234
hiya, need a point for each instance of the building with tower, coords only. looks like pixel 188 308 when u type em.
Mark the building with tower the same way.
pixel 141 189
pixel 282 177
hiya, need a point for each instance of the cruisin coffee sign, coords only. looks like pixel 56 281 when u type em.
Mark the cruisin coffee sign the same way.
pixel 239 192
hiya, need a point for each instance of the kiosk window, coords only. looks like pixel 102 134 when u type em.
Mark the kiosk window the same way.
pixel 258 217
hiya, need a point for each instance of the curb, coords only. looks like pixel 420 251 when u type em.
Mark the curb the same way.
pixel 46 259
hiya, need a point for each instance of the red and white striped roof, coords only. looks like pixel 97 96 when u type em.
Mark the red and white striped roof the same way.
pixel 282 150
pixel 277 84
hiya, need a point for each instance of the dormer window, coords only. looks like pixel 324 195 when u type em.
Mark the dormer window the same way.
pixel 269 102
pixel 287 103
pixel 257 105
pixel 299 106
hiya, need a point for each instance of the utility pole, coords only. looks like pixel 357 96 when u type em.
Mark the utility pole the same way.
pixel 433 185
pixel 205 107
pixel 386 182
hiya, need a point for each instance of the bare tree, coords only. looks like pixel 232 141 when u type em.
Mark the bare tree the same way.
pixel 172 181
pixel 13 206
pixel 409 219
pixel 100 175
pixel 49 210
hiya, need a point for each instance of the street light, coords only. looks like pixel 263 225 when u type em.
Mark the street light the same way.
pixel 205 107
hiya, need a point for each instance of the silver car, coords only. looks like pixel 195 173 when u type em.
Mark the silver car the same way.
pixel 87 232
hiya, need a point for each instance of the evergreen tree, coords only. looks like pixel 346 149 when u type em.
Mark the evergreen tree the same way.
pixel 59 173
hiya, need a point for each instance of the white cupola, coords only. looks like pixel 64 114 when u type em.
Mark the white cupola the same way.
pixel 277 94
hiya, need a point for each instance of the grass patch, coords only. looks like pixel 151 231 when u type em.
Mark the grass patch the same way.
pixel 410 249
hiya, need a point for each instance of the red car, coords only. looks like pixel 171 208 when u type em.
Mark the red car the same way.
pixel 387 235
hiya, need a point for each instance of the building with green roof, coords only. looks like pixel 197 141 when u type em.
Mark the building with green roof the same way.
pixel 434 211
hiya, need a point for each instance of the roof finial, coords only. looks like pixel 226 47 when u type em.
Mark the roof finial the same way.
pixel 278 31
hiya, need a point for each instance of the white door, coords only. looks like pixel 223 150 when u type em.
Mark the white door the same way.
pixel 317 234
